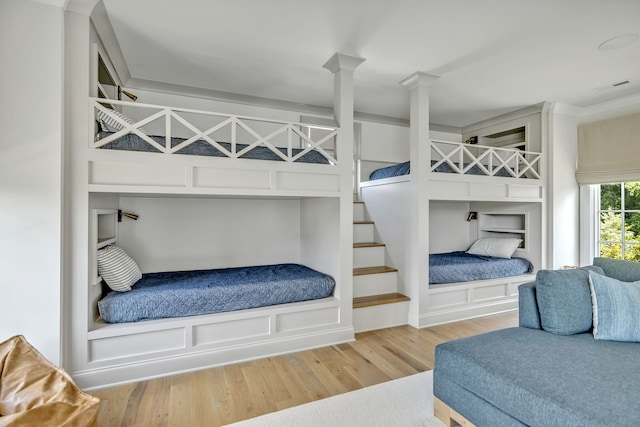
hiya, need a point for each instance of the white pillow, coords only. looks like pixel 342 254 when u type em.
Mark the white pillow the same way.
pixel 109 124
pixel 500 247
pixel 117 268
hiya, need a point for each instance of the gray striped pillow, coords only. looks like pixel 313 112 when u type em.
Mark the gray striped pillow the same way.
pixel 110 124
pixel 117 268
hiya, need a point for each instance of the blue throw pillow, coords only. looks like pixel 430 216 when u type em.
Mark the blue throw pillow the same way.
pixel 621 269
pixel 616 309
pixel 564 300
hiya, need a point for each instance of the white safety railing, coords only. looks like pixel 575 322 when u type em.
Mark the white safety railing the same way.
pixel 490 161
pixel 287 140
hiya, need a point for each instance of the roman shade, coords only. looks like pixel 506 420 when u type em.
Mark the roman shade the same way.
pixel 609 150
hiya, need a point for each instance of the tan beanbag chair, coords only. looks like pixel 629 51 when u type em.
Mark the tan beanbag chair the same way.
pixel 34 392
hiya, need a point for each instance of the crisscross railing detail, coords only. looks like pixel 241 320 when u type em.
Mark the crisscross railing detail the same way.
pixel 296 142
pixel 462 158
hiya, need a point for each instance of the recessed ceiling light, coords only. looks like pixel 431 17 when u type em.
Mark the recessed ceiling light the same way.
pixel 619 42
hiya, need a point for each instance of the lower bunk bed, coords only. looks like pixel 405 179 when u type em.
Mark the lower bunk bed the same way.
pixel 182 321
pixel 461 266
pixel 464 285
pixel 199 292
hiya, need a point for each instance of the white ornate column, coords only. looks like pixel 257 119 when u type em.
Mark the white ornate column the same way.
pixel 342 66
pixel 418 85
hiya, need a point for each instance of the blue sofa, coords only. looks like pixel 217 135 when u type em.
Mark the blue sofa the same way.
pixel 555 369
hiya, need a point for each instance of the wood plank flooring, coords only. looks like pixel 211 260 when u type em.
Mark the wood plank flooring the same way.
pixel 227 394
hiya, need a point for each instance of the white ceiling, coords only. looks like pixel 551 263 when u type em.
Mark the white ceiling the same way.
pixel 492 56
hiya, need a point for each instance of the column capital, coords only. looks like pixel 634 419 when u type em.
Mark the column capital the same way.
pixel 341 61
pixel 419 79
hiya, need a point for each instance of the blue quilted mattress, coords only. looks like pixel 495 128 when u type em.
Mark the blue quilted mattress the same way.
pixel 404 169
pixel 192 293
pixel 132 142
pixel 460 266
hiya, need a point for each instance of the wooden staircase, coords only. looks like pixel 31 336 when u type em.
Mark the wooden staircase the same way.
pixel 376 301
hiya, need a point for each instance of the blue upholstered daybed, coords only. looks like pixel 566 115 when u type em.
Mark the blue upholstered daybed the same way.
pixel 574 360
pixel 192 293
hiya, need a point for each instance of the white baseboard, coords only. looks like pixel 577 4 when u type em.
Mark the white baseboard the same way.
pixel 149 369
pixel 467 312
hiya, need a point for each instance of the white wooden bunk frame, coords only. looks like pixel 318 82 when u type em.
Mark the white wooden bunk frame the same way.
pixel 394 203
pixel 168 172
pixel 120 353
pixel 524 183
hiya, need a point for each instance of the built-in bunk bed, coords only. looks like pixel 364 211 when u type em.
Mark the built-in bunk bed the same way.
pixel 483 194
pixel 213 238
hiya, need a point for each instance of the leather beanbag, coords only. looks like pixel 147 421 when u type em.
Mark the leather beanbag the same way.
pixel 34 392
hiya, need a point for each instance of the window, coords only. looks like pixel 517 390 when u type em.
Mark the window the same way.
pixel 619 225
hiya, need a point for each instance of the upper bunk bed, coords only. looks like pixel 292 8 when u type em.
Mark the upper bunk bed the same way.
pixel 472 171
pixel 145 148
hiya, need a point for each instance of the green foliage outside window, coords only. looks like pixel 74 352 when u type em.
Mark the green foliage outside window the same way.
pixel 620 211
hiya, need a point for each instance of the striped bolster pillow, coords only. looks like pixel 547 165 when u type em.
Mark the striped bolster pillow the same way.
pixel 109 124
pixel 117 268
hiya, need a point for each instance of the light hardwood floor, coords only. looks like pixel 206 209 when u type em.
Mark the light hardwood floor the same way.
pixel 227 394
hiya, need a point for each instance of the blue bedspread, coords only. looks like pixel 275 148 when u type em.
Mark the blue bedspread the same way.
pixel 404 169
pixel 132 142
pixel 192 293
pixel 463 267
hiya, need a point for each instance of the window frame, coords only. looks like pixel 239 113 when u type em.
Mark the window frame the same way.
pixel 591 214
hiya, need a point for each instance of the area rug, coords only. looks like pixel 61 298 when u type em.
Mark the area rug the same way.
pixel 406 402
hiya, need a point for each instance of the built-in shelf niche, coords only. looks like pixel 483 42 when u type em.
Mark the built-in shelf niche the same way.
pixel 104 231
pixel 512 138
pixel 502 224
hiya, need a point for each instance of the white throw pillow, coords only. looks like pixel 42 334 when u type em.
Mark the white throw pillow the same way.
pixel 117 268
pixel 499 247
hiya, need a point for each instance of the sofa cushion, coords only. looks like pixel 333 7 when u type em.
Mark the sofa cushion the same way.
pixel 564 300
pixel 545 379
pixel 616 308
pixel 621 269
pixel 528 314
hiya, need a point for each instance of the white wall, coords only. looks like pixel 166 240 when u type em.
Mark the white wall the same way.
pixel 175 234
pixel 449 229
pixel 31 40
pixel 384 142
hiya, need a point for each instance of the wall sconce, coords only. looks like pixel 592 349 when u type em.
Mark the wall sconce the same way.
pixel 472 215
pixel 129 94
pixel 127 214
pixel 472 140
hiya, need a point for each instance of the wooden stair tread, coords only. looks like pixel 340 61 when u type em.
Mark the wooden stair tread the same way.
pixel 373 300
pixel 373 270
pixel 367 245
pixel 363 222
